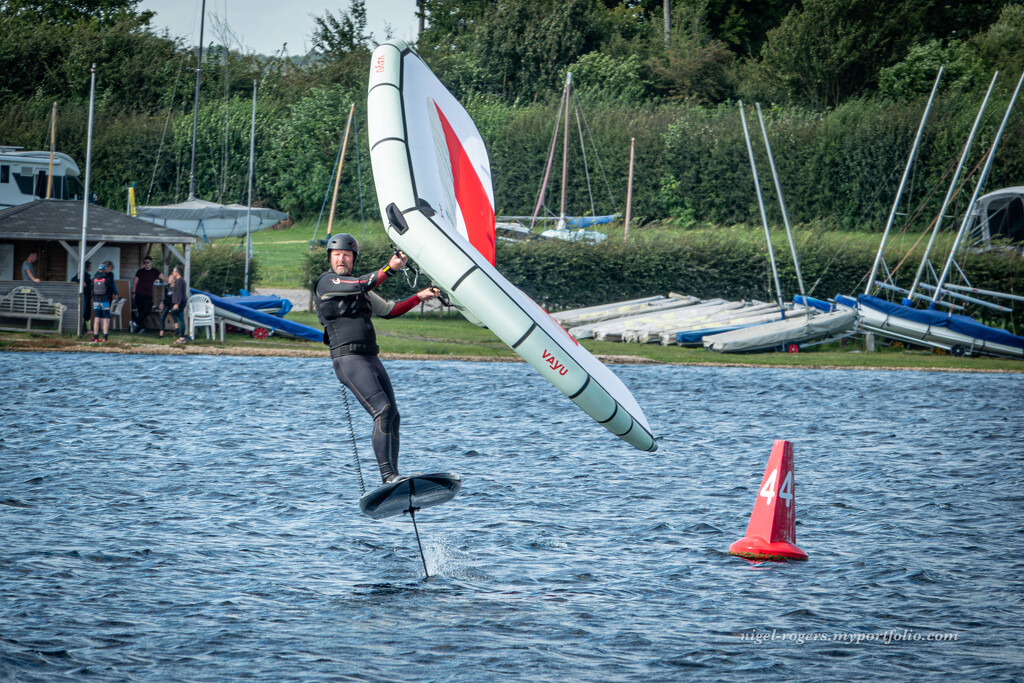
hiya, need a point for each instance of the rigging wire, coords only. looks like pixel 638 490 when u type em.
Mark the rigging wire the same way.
pixel 327 193
pixel 167 121
pixel 841 249
pixel 956 194
pixel 583 148
pixel 547 168
pixel 600 166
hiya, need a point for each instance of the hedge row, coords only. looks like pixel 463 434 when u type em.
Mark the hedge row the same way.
pixel 217 269
pixel 730 264
pixel 691 161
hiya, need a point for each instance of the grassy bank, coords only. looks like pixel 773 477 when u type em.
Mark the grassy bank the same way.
pixel 282 253
pixel 451 337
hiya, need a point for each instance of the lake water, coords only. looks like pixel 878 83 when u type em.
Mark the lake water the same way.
pixel 196 519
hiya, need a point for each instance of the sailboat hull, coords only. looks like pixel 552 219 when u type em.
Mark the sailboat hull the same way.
pixel 934 328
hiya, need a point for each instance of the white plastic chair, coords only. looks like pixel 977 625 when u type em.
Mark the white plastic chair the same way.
pixel 200 314
pixel 115 312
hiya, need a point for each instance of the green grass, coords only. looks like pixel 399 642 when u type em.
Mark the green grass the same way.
pixel 453 336
pixel 281 254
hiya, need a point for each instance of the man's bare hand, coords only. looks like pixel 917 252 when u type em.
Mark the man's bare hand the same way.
pixel 428 293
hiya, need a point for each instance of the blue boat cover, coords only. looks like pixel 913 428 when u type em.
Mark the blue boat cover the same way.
pixel 271 322
pixel 842 300
pixel 956 323
pixel 587 221
pixel 695 336
pixel 271 303
pixel 811 302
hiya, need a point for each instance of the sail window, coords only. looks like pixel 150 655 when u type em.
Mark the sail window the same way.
pixel 5 174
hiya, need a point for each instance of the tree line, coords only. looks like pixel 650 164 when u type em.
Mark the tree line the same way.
pixel 843 84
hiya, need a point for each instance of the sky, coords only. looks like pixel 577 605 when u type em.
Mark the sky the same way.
pixel 263 25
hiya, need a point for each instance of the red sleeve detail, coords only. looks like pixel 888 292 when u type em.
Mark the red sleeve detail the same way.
pixel 403 307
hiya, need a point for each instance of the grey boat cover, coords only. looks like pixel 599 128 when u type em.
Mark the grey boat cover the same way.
pixel 210 220
pixel 594 314
pixel 797 330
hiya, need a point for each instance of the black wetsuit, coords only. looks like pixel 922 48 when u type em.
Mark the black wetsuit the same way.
pixel 344 306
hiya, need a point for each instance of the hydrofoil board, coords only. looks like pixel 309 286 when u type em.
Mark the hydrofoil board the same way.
pixel 414 493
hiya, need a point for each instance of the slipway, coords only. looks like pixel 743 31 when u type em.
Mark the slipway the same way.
pixel 253 319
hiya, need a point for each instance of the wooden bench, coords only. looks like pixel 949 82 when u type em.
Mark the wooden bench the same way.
pixel 26 304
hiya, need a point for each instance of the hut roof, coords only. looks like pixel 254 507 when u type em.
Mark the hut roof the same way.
pixel 61 219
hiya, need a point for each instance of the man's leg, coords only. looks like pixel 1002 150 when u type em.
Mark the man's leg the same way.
pixel 366 378
pixel 144 306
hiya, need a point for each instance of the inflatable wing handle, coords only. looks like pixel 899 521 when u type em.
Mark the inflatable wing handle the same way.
pixel 423 206
pixel 396 219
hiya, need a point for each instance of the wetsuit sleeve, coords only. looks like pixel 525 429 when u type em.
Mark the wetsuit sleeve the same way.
pixel 330 285
pixel 401 308
pixel 380 306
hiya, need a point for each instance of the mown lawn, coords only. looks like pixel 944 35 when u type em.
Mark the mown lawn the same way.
pixel 281 254
pixel 452 335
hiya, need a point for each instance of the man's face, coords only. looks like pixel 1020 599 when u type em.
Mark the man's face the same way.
pixel 147 264
pixel 342 261
pixel 32 257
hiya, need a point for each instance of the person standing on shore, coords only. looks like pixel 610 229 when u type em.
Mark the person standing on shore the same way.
pixel 104 293
pixel 179 299
pixel 28 268
pixel 142 292
pixel 344 305
pixel 86 293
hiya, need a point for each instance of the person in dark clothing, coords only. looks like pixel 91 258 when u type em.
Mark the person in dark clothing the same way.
pixel 179 299
pixel 104 293
pixel 344 305
pixel 142 292
pixel 86 293
pixel 164 308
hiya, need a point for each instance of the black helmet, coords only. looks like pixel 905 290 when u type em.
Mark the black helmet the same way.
pixel 343 240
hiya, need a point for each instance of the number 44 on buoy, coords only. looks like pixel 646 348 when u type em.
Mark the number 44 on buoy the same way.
pixel 771 532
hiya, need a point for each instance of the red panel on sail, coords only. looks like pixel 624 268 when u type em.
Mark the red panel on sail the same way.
pixel 470 193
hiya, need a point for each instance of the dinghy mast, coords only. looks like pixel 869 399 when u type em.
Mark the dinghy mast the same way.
pixel 903 183
pixel 782 203
pixel 949 193
pixel 764 217
pixel 974 198
pixel 195 106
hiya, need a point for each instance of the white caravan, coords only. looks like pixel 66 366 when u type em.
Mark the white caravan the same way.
pixel 23 176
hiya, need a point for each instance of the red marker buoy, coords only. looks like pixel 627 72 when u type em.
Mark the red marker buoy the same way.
pixel 771 532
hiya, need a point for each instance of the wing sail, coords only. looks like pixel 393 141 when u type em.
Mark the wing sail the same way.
pixel 430 166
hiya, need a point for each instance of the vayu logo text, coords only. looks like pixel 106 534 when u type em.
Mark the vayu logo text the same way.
pixel 555 365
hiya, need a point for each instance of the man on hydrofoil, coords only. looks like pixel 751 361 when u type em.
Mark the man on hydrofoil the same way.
pixel 344 304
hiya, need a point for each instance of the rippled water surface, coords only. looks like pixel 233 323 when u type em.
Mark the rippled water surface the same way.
pixel 196 518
